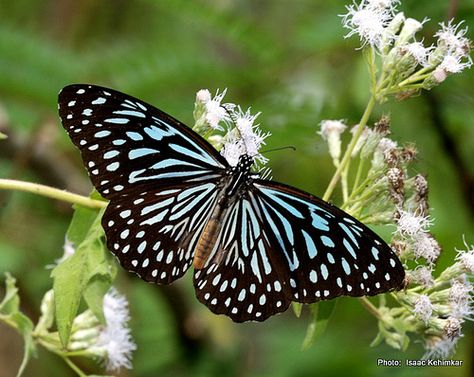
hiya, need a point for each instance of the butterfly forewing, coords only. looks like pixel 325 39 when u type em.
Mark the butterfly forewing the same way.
pixel 127 144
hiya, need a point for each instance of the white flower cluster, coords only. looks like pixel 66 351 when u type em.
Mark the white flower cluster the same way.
pixel 242 136
pixel 370 20
pixel 113 343
pixel 406 60
pixel 213 113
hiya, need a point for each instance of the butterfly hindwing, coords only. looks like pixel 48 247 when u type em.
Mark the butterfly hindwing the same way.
pixel 327 252
pixel 127 144
pixel 154 233
pixel 241 278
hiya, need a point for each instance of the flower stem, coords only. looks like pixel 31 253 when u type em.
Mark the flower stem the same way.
pixel 73 366
pixel 370 307
pixel 50 192
pixel 350 148
pixel 358 174
pixel 417 76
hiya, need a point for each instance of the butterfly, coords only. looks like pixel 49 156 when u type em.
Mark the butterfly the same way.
pixel 255 245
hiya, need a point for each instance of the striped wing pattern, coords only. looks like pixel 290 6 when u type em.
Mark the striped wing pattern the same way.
pixel 291 246
pixel 243 276
pixel 275 244
pixel 153 234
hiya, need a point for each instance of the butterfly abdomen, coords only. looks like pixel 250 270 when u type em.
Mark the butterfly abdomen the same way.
pixel 208 237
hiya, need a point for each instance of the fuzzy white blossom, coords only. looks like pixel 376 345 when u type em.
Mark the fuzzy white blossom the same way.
pixel 423 276
pixel 460 296
pixel 245 139
pixel 419 52
pixel 215 112
pixel 453 63
pixel 115 338
pixel 369 20
pixel 410 224
pixel 440 348
pixel 383 4
pixel 424 245
pixel 466 259
pixel 453 37
pixel 423 308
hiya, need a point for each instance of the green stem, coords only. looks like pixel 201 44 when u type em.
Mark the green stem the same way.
pixel 416 76
pixel 358 174
pixel 345 186
pixel 370 307
pixel 6 320
pixel 73 366
pixel 413 80
pixel 350 148
pixel 50 192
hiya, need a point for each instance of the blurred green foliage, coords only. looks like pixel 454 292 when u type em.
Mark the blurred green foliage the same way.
pixel 288 60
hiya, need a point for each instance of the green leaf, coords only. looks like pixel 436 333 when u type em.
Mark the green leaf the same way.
pixel 10 314
pixel 321 312
pixel 94 293
pixel 86 273
pixel 82 220
pixel 70 278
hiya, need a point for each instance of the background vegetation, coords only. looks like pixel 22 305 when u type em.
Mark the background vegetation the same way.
pixel 288 60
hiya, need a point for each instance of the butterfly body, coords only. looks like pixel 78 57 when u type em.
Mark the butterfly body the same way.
pixel 175 202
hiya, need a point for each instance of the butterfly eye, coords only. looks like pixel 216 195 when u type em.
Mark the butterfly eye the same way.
pixel 175 202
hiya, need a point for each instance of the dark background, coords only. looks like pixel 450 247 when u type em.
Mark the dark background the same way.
pixel 288 60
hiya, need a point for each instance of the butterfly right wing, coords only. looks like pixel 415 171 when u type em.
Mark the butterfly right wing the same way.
pixel 243 278
pixel 154 234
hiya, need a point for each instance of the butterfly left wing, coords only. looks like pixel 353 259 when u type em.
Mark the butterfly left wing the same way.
pixel 284 238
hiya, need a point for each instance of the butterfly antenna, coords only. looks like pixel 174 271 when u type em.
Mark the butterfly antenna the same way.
pixel 228 108
pixel 279 149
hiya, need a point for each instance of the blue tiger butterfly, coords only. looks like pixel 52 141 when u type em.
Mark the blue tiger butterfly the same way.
pixel 255 245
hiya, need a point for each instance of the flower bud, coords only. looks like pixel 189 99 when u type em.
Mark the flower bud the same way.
pixel 391 31
pixel 422 308
pixel 361 140
pixel 452 328
pixel 409 29
pixel 435 78
pixel 47 311
pixel 331 131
